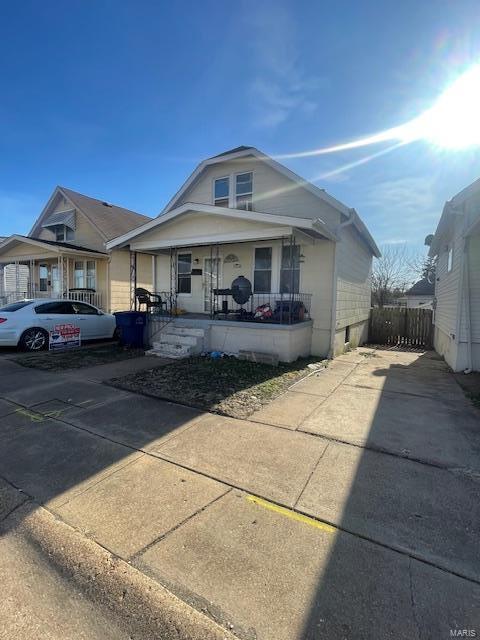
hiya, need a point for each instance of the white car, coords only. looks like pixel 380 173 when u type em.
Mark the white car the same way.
pixel 27 323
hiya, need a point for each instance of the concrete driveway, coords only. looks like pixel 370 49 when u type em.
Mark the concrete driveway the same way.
pixel 347 508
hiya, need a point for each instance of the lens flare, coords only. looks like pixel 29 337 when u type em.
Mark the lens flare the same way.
pixel 453 122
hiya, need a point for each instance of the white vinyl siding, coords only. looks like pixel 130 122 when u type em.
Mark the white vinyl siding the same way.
pixel 354 268
pixel 273 192
pixel 447 284
pixel 474 281
pixel 15 278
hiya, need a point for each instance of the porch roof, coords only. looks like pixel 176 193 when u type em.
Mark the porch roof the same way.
pixel 56 248
pixel 273 226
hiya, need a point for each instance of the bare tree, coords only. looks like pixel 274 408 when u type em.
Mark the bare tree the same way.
pixel 424 267
pixel 392 274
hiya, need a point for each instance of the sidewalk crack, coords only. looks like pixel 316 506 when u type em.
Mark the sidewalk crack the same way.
pixel 412 599
pixel 151 544
pixel 310 477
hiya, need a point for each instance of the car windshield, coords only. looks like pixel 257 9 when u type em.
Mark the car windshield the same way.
pixel 15 306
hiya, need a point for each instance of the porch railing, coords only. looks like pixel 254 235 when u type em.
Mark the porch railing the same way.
pixel 94 298
pixel 90 297
pixel 273 308
pixel 276 308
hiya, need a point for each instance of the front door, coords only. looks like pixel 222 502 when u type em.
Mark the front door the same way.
pixel 212 278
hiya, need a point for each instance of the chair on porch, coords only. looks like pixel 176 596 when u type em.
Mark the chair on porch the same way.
pixel 152 301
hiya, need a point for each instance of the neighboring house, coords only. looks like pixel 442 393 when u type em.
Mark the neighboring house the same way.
pixel 456 244
pixel 65 254
pixel 307 256
pixel 420 295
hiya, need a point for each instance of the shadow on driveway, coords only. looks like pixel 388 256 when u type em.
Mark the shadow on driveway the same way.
pixel 411 411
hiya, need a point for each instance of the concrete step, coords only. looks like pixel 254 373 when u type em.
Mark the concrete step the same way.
pixel 168 350
pixel 186 331
pixel 173 338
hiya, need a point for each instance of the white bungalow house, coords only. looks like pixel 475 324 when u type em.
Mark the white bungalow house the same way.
pixel 456 244
pixel 304 259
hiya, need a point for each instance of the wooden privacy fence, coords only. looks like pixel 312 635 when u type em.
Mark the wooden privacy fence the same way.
pixel 401 326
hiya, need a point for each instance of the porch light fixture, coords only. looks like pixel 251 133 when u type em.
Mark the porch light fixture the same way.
pixel 301 258
pixel 196 261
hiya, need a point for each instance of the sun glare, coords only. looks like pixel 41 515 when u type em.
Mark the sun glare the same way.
pixel 454 120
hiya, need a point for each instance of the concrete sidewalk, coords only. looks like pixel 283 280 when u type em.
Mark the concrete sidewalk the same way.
pixel 349 507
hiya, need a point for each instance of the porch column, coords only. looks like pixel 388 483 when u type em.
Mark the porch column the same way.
pixel 31 279
pixel 133 280
pixel 173 280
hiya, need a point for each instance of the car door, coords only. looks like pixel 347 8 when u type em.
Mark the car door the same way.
pixel 90 321
pixel 50 314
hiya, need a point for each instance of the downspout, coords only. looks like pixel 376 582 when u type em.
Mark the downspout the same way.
pixel 333 320
pixel 468 321
pixel 109 286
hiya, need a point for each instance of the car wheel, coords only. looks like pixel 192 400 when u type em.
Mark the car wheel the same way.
pixel 34 339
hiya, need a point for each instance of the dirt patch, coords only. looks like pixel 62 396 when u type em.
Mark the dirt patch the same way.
pixel 77 358
pixel 470 384
pixel 228 386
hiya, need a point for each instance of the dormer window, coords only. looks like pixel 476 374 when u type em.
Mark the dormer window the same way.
pixel 62 225
pixel 221 192
pixel 244 191
pixel 63 233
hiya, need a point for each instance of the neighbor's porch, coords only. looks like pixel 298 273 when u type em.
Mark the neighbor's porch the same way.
pixel 78 277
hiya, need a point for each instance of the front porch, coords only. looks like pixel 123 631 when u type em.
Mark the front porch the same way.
pixel 34 269
pixel 236 298
pixel 192 334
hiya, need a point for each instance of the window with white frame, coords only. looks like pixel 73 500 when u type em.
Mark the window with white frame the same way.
pixel 43 277
pixel 85 274
pixel 221 192
pixel 63 233
pixel 449 258
pixel 290 269
pixel 184 273
pixel 244 191
pixel 262 274
pixel 91 270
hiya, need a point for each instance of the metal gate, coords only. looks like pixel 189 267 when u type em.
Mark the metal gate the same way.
pixel 401 326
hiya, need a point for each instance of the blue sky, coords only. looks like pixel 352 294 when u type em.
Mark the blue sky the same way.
pixel 120 100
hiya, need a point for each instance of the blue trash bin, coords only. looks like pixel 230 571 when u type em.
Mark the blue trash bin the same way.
pixel 131 327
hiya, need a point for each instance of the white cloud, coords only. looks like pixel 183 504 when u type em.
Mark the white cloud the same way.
pixel 279 86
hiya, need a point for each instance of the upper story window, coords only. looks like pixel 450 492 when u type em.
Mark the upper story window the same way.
pixel 63 233
pixel 221 196
pixel 244 191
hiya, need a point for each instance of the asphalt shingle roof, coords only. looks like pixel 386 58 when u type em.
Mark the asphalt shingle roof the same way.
pixel 110 220
pixel 422 288
pixel 234 150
